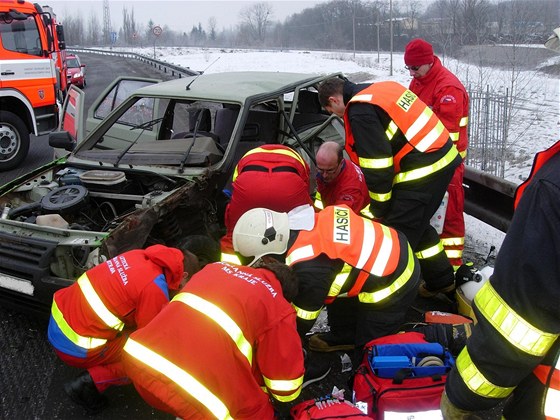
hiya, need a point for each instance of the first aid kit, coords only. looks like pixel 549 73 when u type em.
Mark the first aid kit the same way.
pixel 402 376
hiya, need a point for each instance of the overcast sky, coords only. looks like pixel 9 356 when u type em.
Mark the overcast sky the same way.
pixel 178 15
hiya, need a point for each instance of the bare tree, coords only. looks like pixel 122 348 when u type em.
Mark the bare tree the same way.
pixel 93 32
pixel 212 24
pixel 255 20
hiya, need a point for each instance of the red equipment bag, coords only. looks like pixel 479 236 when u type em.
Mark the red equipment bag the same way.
pixel 391 383
pixel 326 408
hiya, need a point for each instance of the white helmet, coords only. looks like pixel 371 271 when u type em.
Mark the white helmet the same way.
pixel 260 232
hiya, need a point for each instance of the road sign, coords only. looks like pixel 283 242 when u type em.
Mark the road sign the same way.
pixel 113 37
pixel 157 30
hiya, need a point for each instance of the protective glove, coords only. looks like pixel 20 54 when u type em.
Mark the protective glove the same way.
pixel 451 412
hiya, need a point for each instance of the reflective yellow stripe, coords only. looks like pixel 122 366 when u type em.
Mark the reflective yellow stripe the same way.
pixel 97 304
pixel 380 163
pixel 384 252
pixel 290 153
pixel 429 252
pixel 453 253
pixel 307 315
pixel 429 139
pixel 222 319
pixel 381 197
pixel 391 130
pixel 366 212
pixel 419 123
pixel 475 380
pixel 510 325
pixel 73 336
pixel 339 281
pixel 230 258
pixel 299 254
pixel 463 154
pixel 288 385
pixel 179 376
pixel 454 136
pixel 318 201
pixel 453 241
pixel 368 243
pixel 427 170
pixel 463 122
pixel 283 385
pixel 379 295
pixel 363 97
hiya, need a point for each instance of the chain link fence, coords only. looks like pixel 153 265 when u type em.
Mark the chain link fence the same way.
pixel 488 127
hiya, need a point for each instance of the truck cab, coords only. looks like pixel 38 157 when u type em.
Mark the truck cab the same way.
pixel 28 82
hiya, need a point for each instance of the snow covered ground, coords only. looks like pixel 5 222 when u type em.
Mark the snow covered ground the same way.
pixel 536 119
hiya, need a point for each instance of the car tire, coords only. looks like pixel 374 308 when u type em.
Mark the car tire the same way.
pixel 84 84
pixel 14 140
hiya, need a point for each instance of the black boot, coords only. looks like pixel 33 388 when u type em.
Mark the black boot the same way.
pixel 82 391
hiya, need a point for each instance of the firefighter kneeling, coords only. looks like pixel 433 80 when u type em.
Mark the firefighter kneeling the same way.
pixel 223 347
pixel 366 272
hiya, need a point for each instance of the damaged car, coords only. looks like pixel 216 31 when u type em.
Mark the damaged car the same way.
pixel 152 168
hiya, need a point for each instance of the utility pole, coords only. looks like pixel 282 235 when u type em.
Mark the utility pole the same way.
pixel 106 23
pixel 391 34
pixel 354 27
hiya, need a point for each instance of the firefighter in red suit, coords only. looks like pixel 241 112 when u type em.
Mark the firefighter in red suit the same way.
pixel 91 319
pixel 444 93
pixel 271 175
pixel 339 181
pixel 223 348
pixel 513 352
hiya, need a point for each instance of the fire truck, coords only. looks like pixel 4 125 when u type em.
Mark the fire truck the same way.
pixel 56 31
pixel 29 90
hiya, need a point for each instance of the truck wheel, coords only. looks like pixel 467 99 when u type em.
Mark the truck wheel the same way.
pixel 14 140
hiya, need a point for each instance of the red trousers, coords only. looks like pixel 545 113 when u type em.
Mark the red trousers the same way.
pixel 453 234
pixel 103 364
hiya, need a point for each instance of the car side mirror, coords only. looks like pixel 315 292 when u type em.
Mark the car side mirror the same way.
pixel 62 140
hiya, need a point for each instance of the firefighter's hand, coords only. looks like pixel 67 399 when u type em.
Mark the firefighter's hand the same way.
pixel 450 412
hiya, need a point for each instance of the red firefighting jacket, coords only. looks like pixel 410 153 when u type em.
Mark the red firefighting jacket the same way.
pixel 272 176
pixel 223 345
pixel 444 93
pixel 517 310
pixel 124 292
pixel 348 188
pixel 413 146
pixel 377 259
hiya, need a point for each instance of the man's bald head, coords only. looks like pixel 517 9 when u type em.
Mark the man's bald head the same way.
pixel 329 158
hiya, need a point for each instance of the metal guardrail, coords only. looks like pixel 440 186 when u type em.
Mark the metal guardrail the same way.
pixel 487 197
pixel 175 71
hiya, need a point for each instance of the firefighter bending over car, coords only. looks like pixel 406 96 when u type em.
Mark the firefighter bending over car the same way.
pixel 408 160
pixel 272 176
